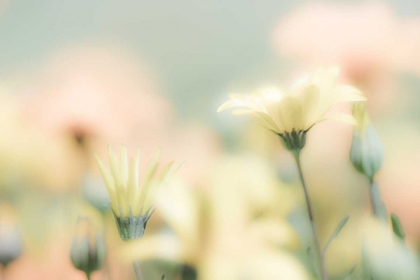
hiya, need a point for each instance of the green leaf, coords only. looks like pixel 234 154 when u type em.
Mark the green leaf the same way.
pixel 314 261
pixel 351 274
pixel 337 230
pixel 163 276
pixel 366 272
pixel 397 227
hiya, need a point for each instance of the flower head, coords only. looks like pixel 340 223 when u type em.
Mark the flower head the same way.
pixel 299 108
pixel 292 113
pixel 367 152
pixel 132 197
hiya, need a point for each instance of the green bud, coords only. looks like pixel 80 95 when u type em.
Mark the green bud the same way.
pixel 88 249
pixel 10 237
pixel 367 152
pixel 10 244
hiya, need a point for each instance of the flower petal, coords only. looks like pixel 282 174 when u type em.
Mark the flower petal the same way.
pixel 345 118
pixel 348 93
pixel 267 122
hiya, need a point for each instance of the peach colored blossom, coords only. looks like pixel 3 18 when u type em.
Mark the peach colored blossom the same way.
pixel 368 40
pixel 101 93
pixel 28 155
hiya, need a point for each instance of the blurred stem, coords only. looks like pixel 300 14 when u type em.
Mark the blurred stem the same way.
pixel 378 207
pixel 104 234
pixel 137 270
pixel 296 154
pixel 88 275
pixel 374 205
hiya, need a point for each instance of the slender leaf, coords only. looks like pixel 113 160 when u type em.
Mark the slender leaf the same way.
pixel 351 273
pixel 366 273
pixel 397 227
pixel 313 259
pixel 337 230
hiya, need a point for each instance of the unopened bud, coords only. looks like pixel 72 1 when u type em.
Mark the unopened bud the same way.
pixel 10 238
pixel 88 249
pixel 367 152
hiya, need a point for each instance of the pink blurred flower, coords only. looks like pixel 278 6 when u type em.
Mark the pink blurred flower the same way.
pixel 28 154
pixel 99 92
pixel 100 95
pixel 367 40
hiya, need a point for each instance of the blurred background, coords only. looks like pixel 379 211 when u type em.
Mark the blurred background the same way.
pixel 76 76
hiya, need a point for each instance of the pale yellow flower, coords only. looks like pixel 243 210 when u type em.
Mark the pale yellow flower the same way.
pixel 301 106
pixel 131 196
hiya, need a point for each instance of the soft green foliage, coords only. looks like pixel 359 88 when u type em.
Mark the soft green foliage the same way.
pixel 313 259
pixel 336 232
pixel 397 227
pixel 352 273
pixel 365 272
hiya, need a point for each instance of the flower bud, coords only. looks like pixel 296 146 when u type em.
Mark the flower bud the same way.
pixel 10 238
pixel 367 152
pixel 88 249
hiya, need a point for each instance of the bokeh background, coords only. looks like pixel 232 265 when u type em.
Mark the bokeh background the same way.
pixel 76 76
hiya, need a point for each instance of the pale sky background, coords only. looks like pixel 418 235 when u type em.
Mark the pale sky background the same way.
pixel 198 49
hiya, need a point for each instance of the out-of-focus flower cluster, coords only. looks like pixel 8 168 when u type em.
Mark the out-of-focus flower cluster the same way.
pixel 369 40
pixel 81 99
pixel 230 229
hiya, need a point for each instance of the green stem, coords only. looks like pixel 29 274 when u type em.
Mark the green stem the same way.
pixel 88 275
pixel 104 234
pixel 137 270
pixel 378 208
pixel 321 257
pixel 373 203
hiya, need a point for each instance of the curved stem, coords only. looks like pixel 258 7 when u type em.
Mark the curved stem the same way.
pixel 137 270
pixel 373 203
pixel 311 217
pixel 106 263
pixel 378 207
